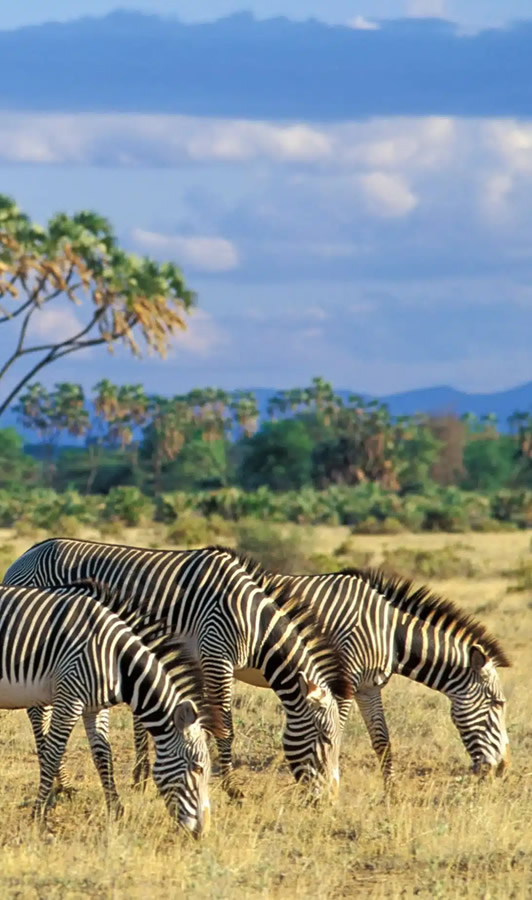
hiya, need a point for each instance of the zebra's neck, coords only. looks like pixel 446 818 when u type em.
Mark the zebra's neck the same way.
pixel 144 684
pixel 425 653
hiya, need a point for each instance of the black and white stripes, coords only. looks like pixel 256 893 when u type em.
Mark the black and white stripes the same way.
pixel 64 648
pixel 385 626
pixel 207 598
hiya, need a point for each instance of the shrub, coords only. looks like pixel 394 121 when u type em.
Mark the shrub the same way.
pixel 513 506
pixel 68 526
pixel 522 575
pixel 324 562
pixel 8 555
pixel 277 551
pixel 168 507
pixel 372 525
pixel 129 505
pixel 12 508
pixel 111 530
pixel 190 530
pixel 445 562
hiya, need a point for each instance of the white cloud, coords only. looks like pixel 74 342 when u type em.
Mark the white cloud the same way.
pixel 243 140
pixel 54 324
pixel 126 139
pixel 513 142
pixel 387 195
pixel 201 337
pixel 360 23
pixel 426 9
pixel 203 253
pixel 495 191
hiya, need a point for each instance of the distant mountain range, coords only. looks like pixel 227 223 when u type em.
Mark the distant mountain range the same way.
pixel 440 400
pixel 437 400
pixel 277 68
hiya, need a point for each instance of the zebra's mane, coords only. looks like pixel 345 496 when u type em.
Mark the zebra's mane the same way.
pixel 424 604
pixel 329 659
pixel 184 671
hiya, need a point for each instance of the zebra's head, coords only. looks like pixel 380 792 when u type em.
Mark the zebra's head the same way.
pixel 182 768
pixel 478 709
pixel 311 738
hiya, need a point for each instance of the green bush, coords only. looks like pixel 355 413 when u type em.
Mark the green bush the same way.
pixel 513 506
pixel 128 505
pixel 276 550
pixel 169 507
pixel 372 525
pixel 445 562
pixel 190 530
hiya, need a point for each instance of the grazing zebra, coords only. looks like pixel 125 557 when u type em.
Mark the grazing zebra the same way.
pixel 386 626
pixel 207 598
pixel 63 647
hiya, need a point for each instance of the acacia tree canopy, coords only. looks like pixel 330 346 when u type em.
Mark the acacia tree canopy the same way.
pixel 122 298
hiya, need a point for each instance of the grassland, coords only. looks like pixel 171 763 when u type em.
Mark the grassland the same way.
pixel 442 834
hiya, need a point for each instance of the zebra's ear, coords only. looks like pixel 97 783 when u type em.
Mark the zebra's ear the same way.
pixel 312 692
pixel 477 658
pixel 185 715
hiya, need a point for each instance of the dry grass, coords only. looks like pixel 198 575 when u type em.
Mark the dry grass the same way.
pixel 441 835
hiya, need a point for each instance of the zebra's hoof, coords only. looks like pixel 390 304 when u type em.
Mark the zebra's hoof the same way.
pixel 66 793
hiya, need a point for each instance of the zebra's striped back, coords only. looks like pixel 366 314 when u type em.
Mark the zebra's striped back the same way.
pixel 64 647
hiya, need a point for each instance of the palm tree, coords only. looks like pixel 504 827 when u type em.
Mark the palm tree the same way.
pixel 170 421
pixel 68 411
pixel 245 410
pixel 34 410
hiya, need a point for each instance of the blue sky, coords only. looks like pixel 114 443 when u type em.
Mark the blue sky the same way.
pixel 384 253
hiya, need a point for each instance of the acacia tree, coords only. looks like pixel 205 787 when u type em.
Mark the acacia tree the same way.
pixel 129 301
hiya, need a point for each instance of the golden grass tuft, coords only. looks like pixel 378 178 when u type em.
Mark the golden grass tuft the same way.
pixel 442 834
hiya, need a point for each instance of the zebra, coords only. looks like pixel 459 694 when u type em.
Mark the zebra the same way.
pixel 207 598
pixel 64 647
pixel 385 625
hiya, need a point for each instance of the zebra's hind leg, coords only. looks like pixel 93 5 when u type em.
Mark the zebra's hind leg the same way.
pixel 40 717
pixel 141 771
pixel 64 717
pixel 369 702
pixel 218 675
pixel 97 730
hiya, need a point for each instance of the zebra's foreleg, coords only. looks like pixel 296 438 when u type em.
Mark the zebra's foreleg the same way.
pixel 369 702
pixel 97 730
pixel 40 717
pixel 344 707
pixel 64 717
pixel 218 674
pixel 141 771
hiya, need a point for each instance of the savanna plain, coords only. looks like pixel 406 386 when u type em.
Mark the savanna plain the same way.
pixel 440 834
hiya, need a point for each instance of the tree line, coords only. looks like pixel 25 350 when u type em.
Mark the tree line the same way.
pixel 210 439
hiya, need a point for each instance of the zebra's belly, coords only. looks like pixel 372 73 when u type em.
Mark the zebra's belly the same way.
pixel 251 676
pixel 21 694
